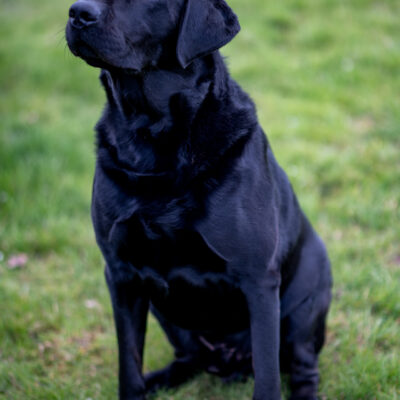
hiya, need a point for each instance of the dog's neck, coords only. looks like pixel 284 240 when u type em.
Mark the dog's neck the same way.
pixel 160 115
pixel 153 92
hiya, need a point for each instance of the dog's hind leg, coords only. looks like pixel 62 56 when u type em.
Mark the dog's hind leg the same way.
pixel 303 326
pixel 173 375
pixel 300 348
pixel 188 357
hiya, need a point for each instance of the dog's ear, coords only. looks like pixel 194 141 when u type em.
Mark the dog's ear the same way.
pixel 206 26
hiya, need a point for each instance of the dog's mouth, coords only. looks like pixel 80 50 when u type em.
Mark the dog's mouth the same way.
pixel 86 53
pixel 82 48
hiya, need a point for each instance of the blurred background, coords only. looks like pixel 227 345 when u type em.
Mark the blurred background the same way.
pixel 325 76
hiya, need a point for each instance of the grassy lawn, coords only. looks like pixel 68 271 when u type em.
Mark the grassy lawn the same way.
pixel 326 79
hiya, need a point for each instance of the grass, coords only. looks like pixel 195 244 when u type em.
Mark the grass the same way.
pixel 325 77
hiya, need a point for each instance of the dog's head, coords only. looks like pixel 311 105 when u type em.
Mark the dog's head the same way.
pixel 138 34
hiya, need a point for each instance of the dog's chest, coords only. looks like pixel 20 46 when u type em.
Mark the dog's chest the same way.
pixel 187 282
pixel 162 243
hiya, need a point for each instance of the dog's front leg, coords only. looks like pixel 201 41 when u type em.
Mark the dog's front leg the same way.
pixel 130 307
pixel 263 303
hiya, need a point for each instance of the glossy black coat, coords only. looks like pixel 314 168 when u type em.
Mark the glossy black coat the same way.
pixel 193 215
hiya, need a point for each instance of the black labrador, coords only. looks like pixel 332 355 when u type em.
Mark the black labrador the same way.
pixel 194 216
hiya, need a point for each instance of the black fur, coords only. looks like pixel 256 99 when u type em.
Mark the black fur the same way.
pixel 194 217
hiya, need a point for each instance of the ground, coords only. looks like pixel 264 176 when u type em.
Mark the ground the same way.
pixel 325 78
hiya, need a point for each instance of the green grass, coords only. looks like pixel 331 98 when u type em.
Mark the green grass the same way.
pixel 325 77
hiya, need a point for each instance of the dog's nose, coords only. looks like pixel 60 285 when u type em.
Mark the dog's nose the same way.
pixel 84 13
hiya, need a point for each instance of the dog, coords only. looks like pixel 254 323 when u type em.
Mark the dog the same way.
pixel 195 219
